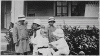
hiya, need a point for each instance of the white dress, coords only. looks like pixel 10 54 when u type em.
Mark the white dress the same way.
pixel 41 42
pixel 62 47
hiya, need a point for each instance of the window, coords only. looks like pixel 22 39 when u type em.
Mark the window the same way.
pixel 77 8
pixel 61 8
pixel 40 8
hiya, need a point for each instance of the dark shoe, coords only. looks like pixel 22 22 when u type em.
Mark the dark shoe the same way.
pixel 25 53
pixel 17 53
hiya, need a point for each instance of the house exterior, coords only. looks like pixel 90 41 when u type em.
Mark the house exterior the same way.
pixel 71 12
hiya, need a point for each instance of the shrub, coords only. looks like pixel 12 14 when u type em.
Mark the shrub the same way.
pixel 79 39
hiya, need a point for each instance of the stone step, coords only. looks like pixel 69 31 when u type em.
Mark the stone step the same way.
pixel 4 42
pixel 4 46
pixel 3 39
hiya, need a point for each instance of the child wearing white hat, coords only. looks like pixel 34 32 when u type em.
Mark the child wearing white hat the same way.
pixel 60 44
pixel 40 40
pixel 43 43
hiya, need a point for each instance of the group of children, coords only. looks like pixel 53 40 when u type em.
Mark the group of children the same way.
pixel 44 44
pixel 41 44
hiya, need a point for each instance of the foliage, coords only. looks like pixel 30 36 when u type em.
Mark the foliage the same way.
pixel 79 39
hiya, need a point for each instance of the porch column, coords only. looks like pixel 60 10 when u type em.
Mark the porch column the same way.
pixel 17 9
pixel 0 23
pixel 0 14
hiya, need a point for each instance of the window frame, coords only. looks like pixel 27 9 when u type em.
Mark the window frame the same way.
pixel 61 8
pixel 26 10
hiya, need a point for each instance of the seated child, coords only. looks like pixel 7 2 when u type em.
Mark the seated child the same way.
pixel 60 44
pixel 41 42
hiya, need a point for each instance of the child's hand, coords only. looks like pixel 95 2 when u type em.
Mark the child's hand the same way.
pixel 17 44
pixel 51 46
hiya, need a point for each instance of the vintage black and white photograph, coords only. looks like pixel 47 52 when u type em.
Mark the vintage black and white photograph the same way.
pixel 49 27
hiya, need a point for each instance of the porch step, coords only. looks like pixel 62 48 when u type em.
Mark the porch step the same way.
pixel 4 42
pixel 3 39
pixel 4 46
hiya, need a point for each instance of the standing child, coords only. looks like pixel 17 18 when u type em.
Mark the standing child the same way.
pixel 51 28
pixel 11 36
pixel 21 36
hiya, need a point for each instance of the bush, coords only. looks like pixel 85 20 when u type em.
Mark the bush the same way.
pixel 79 39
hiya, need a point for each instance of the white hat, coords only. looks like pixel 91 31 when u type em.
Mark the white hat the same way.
pixel 51 19
pixel 37 21
pixel 21 17
pixel 59 32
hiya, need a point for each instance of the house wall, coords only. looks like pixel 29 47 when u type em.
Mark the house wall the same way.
pixel 82 21
pixel 90 18
pixel 72 21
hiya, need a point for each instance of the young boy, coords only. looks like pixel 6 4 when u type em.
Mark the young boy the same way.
pixel 51 28
pixel 60 44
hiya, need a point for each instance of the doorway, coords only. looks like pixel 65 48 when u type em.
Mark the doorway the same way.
pixel 5 14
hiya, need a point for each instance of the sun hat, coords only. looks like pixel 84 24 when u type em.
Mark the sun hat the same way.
pixel 37 21
pixel 58 32
pixel 21 17
pixel 51 19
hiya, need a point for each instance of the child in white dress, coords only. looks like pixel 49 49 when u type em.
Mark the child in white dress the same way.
pixel 43 45
pixel 60 44
pixel 41 42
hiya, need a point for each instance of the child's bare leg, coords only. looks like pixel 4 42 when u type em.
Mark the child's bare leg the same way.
pixel 35 49
pixel 52 51
pixel 56 53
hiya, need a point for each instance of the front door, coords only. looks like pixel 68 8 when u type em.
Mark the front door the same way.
pixel 6 14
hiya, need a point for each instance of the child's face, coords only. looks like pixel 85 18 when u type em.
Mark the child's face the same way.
pixel 21 22
pixel 35 26
pixel 51 23
pixel 44 33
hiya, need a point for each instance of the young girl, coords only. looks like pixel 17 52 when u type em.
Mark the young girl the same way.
pixel 60 44
pixel 43 43
pixel 40 41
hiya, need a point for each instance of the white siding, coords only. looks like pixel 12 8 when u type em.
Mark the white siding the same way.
pixel 73 21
